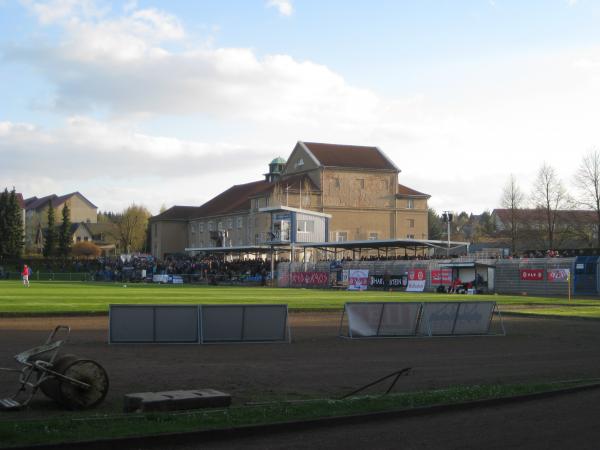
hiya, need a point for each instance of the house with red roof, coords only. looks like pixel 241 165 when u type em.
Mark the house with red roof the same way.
pixel 327 192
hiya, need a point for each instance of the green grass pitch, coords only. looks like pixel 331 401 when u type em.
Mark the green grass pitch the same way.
pixel 85 298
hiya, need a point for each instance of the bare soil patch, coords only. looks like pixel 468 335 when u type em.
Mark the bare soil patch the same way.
pixel 316 364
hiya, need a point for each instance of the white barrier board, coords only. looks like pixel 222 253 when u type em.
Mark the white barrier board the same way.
pixel 382 319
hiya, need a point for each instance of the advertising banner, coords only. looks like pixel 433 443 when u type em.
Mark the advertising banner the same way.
pixel 558 275
pixel 415 286
pixel 532 274
pixel 160 278
pixel 417 275
pixel 310 278
pixel 358 279
pixel 379 281
pixel 441 276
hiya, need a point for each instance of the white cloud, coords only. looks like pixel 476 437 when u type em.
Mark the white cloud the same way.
pixel 459 146
pixel 284 7
pixel 86 154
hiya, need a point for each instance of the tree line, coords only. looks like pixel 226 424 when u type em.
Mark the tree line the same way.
pixel 537 218
pixel 11 225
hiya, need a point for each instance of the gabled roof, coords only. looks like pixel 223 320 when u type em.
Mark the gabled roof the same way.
pixel 351 156
pixel 29 201
pixel 236 198
pixel 176 213
pixel 405 191
pixel 37 203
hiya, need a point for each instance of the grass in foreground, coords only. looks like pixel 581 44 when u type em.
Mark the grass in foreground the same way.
pixel 78 297
pixel 29 432
pixel 85 298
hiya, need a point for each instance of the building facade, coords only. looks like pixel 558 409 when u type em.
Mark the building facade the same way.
pixel 354 188
pixel 36 215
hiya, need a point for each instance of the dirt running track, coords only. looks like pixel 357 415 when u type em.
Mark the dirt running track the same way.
pixel 317 363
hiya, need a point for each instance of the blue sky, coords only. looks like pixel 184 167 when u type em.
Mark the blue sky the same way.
pixel 172 102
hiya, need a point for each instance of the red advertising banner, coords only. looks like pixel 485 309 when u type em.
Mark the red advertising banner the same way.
pixel 416 275
pixel 310 278
pixel 532 274
pixel 441 276
pixel 558 275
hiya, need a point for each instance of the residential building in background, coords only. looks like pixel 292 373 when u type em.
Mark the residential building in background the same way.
pixel 36 216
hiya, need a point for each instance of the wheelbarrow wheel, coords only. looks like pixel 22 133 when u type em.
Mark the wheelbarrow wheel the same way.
pixel 71 395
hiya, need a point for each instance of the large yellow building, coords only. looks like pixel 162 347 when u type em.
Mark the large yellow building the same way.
pixel 333 192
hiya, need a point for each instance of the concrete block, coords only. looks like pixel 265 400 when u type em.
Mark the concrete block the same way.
pixel 175 400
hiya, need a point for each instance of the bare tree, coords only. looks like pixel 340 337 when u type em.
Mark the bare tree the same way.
pixel 513 199
pixel 133 226
pixel 587 180
pixel 550 195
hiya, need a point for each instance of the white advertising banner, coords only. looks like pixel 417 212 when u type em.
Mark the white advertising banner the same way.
pixel 358 279
pixel 415 286
pixel 558 275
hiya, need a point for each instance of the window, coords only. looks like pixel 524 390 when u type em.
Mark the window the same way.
pixel 360 182
pixel 229 223
pixel 341 236
pixel 337 183
pixel 211 226
pixel 306 226
pixel 220 226
pixel 410 236
pixel 240 222
pixel 193 228
pixel 410 203
pixel 78 238
pixel 373 236
pixel 201 227
pixel 411 223
pixel 85 238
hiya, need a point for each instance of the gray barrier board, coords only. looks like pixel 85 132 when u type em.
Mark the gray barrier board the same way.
pixel 198 323
pixel 244 323
pixel 153 323
pixel 474 318
pixel 437 318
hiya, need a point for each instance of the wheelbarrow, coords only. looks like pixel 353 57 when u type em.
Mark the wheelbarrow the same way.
pixel 73 382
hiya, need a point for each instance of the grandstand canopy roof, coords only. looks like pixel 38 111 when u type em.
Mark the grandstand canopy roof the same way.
pixel 237 249
pixel 465 265
pixel 345 245
pixel 386 243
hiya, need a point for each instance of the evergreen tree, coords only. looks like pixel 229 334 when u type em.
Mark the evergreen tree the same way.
pixel 14 227
pixel 436 227
pixel 50 236
pixel 64 235
pixel 3 222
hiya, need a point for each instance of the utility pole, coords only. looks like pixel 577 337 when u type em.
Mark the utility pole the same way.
pixel 447 218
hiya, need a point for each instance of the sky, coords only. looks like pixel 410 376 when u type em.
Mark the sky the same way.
pixel 164 103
